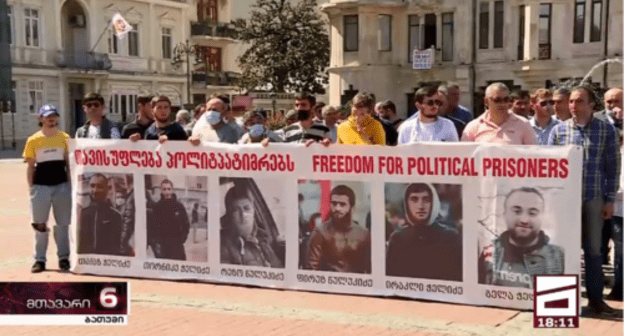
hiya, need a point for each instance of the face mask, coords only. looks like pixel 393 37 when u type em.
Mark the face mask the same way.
pixel 256 131
pixel 303 115
pixel 213 117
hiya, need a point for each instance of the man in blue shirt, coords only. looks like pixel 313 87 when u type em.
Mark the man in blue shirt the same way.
pixel 543 122
pixel 601 174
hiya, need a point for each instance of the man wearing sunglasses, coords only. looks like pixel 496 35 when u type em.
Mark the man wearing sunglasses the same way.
pixel 498 124
pixel 97 126
pixel 427 126
pixel 543 122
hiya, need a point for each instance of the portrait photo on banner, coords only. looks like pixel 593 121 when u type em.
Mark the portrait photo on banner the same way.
pixel 105 214
pixel 177 217
pixel 423 224
pixel 334 226
pixel 253 222
pixel 518 235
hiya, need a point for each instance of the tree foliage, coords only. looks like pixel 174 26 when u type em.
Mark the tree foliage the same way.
pixel 289 47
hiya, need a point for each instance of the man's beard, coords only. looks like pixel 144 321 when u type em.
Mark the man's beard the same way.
pixel 340 219
pixel 523 241
pixel 163 121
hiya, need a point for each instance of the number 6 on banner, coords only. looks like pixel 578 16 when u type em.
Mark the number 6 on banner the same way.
pixel 108 297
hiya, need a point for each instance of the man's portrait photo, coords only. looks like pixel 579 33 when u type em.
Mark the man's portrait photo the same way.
pixel 105 214
pixel 252 223
pixel 426 241
pixel 335 233
pixel 173 231
pixel 521 248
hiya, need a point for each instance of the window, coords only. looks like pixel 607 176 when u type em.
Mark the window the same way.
pixel 133 41
pixel 579 22
pixel 10 28
pixel 166 43
pixel 430 31
pixel 499 23
pixel 596 21
pixel 31 27
pixel 384 33
pixel 351 33
pixel 35 96
pixel 447 37
pixel 414 36
pixel 521 28
pixel 11 105
pixel 484 25
pixel 544 31
pixel 207 10
pixel 124 104
pixel 113 43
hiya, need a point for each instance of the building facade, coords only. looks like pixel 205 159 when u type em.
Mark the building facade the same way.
pixel 526 44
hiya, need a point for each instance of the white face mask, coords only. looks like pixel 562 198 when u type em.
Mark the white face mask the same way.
pixel 256 131
pixel 213 117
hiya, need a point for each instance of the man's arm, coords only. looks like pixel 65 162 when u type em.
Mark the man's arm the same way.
pixel 315 251
pixel 612 170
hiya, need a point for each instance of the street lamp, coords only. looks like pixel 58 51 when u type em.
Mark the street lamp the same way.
pixel 272 96
pixel 180 51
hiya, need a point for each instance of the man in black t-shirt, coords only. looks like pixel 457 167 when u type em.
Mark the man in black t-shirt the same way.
pixel 143 121
pixel 164 129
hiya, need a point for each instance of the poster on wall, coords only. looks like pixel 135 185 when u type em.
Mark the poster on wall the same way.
pixel 466 223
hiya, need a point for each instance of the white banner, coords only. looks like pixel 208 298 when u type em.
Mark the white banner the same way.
pixel 463 222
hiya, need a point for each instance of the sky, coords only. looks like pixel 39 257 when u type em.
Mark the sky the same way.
pixel 241 7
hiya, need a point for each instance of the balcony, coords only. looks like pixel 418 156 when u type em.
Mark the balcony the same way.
pixel 213 29
pixel 83 60
pixel 215 78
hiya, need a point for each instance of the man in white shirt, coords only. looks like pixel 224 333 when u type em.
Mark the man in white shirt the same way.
pixel 427 126
pixel 212 127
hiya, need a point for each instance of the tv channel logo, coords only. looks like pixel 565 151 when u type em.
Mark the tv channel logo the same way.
pixel 556 301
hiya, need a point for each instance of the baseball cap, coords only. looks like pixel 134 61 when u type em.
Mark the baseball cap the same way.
pixel 47 110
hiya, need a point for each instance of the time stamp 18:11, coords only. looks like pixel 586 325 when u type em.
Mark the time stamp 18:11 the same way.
pixel 556 322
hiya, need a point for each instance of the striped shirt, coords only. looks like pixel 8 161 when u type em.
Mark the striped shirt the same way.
pixel 601 155
pixel 296 133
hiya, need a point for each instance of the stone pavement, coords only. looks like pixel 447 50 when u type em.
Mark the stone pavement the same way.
pixel 183 308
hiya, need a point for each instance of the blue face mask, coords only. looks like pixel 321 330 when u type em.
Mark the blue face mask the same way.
pixel 213 117
pixel 256 131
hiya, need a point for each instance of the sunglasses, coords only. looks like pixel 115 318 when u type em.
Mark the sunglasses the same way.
pixel 612 102
pixel 500 100
pixel 543 103
pixel 90 105
pixel 433 102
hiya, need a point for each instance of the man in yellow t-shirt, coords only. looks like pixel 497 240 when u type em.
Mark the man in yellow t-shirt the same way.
pixel 361 128
pixel 46 153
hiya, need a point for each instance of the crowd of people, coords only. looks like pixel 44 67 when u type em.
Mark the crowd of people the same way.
pixel 546 117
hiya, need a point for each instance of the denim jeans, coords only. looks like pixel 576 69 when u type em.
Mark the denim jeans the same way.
pixel 592 223
pixel 616 223
pixel 57 197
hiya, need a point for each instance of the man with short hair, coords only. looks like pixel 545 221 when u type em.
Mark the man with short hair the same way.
pixel 317 110
pixel 340 244
pixel 361 128
pixel 163 128
pixel 498 124
pixel 386 110
pixel 425 247
pixel 561 97
pixel 100 224
pixel 521 103
pixel 454 110
pixel 212 127
pixel 304 101
pixel 330 118
pixel 143 121
pixel 48 177
pixel 427 126
pixel 543 122
pixel 197 113
pixel 391 132
pixel 97 126
pixel 228 116
pixel 523 250
pixel 601 173
pixel 306 130
pixel 255 124
pixel 169 226
pixel 613 108
pixel 290 117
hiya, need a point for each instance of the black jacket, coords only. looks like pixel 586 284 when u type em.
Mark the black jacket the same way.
pixel 105 129
pixel 168 228
pixel 100 229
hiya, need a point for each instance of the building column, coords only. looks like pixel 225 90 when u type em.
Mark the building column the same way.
pixel 531 31
pixel 66 114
